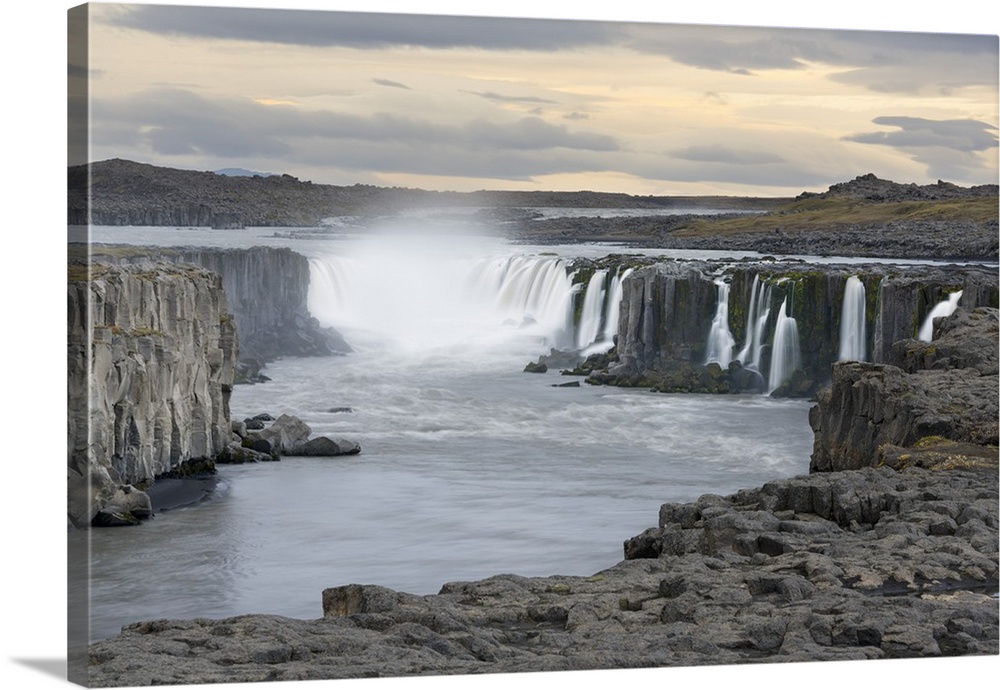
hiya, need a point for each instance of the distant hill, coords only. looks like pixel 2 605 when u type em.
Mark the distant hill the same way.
pixel 125 192
pixel 871 188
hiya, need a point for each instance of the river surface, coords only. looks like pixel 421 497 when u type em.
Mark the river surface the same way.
pixel 469 467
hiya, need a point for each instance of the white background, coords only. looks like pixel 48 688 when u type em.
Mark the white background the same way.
pixel 33 334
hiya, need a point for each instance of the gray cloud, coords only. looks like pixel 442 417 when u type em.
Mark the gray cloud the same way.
pixel 917 132
pixel 393 84
pixel 723 154
pixel 175 122
pixel 949 149
pixel 493 96
pixel 364 30
pixel 451 160
pixel 797 175
pixel 889 62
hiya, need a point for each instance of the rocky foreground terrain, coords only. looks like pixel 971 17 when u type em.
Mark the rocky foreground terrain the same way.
pixel 869 564
pixel 895 559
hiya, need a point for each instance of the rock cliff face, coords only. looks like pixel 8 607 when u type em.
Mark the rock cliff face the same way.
pixel 152 354
pixel 267 290
pixel 668 309
pixel 927 398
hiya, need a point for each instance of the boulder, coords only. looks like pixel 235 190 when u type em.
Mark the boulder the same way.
pixel 237 454
pixel 285 433
pixel 128 506
pixel 560 359
pixel 535 368
pixel 321 446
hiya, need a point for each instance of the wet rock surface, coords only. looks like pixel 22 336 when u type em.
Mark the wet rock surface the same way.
pixel 866 564
pixel 946 389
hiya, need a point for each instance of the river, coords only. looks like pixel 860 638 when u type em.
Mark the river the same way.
pixel 469 467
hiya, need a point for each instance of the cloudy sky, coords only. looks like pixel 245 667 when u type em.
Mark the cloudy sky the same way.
pixel 465 103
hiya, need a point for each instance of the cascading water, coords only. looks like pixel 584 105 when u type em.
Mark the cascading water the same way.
pixel 614 303
pixel 592 311
pixel 720 338
pixel 944 308
pixel 853 331
pixel 785 355
pixel 426 299
pixel 757 316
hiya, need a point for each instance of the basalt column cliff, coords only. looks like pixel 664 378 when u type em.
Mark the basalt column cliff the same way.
pixel 152 353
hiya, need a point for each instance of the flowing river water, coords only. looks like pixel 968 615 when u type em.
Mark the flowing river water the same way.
pixel 469 467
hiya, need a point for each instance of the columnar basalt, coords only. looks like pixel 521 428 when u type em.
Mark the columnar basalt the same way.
pixel 152 354
pixel 667 316
pixel 267 290
pixel 915 408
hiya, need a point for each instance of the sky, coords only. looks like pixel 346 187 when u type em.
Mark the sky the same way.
pixel 447 102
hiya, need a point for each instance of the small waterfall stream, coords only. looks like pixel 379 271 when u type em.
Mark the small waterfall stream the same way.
pixel 757 316
pixel 592 311
pixel 720 338
pixel 853 331
pixel 785 352
pixel 943 308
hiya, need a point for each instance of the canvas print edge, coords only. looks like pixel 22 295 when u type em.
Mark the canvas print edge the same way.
pixel 73 633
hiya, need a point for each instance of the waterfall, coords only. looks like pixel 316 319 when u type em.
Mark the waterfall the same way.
pixel 592 311
pixel 757 316
pixel 720 338
pixel 614 307
pixel 530 289
pixel 853 332
pixel 943 308
pixel 424 299
pixel 785 350
pixel 330 281
pixel 439 298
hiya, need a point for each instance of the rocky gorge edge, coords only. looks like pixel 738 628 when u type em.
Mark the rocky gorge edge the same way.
pixel 155 339
pixel 894 559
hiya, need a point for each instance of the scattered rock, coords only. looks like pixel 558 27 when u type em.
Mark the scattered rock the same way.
pixel 323 446
pixel 285 433
pixel 128 506
pixel 238 454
